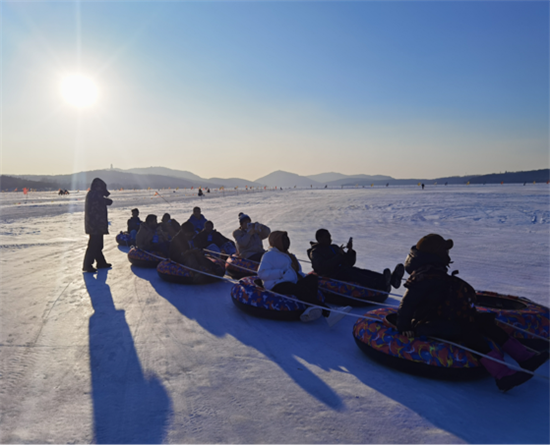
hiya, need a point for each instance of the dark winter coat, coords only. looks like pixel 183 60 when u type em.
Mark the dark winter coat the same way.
pixel 326 260
pixel 204 239
pixel 435 302
pixel 198 223
pixel 171 227
pixel 179 245
pixel 134 223
pixel 95 209
pixel 148 238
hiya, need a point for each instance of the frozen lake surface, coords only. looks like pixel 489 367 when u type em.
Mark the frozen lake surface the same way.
pixel 123 357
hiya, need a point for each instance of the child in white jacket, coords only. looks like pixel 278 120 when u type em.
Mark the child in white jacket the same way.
pixel 280 272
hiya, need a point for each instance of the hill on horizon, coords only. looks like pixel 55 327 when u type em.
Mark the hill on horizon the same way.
pixel 281 178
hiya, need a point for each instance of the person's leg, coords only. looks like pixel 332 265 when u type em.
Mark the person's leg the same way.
pixel 213 248
pixel 87 266
pixel 100 259
pixel 229 248
pixel 364 277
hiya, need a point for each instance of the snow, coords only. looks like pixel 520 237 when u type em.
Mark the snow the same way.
pixel 122 356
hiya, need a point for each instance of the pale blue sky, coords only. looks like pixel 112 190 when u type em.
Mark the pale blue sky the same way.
pixel 240 89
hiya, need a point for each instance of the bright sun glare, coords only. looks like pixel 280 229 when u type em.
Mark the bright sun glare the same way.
pixel 79 91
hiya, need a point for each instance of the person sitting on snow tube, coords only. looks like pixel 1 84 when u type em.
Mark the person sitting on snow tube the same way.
pixel 211 239
pixel 280 272
pixel 441 305
pixel 249 237
pixel 182 251
pixel 197 219
pixel 170 226
pixel 332 261
pixel 151 237
pixel 133 224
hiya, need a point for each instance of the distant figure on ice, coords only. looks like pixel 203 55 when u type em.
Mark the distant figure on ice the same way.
pixel 151 237
pixel 197 219
pixel 170 226
pixel 281 272
pixel 211 239
pixel 133 223
pixel 330 260
pixel 248 238
pixel 442 305
pixel 422 186
pixel 200 192
pixel 96 225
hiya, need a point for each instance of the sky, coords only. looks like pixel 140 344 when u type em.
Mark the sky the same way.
pixel 241 89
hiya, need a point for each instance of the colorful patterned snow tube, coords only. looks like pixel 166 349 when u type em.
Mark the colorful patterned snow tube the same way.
pixel 174 272
pixel 235 267
pixel 378 337
pixel 332 287
pixel 517 311
pixel 143 258
pixel 257 301
pixel 124 239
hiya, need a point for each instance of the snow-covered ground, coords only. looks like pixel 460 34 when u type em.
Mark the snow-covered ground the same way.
pixel 122 356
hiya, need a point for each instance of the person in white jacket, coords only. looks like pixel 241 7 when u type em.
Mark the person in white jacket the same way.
pixel 280 272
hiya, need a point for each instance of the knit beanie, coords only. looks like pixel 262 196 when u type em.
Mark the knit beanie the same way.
pixel 242 217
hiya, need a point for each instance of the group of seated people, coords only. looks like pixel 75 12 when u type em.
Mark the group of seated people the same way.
pixel 197 231
pixel 435 303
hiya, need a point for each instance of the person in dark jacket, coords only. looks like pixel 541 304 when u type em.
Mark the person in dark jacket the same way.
pixel 197 219
pixel 182 242
pixel 211 239
pixel 442 305
pixel 151 237
pixel 96 225
pixel 169 225
pixel 332 261
pixel 183 251
pixel 134 223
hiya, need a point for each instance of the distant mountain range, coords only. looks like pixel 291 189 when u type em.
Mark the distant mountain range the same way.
pixel 162 177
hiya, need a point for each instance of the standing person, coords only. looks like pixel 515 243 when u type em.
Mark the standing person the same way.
pixel 441 305
pixel 197 219
pixel 330 260
pixel 281 272
pixel 96 225
pixel 248 238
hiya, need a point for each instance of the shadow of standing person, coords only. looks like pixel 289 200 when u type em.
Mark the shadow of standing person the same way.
pixel 128 406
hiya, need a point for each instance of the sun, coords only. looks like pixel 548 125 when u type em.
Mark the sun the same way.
pixel 79 91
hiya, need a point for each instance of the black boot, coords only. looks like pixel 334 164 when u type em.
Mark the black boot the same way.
pixel 534 362
pixel 510 381
pixel 397 276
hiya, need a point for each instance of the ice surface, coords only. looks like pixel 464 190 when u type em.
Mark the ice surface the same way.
pixel 122 356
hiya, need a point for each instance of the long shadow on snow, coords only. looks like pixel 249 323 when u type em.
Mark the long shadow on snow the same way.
pixel 214 316
pixel 129 407
pixel 475 411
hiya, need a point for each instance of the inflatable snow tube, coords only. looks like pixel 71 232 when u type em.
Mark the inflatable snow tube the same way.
pixel 516 311
pixel 174 272
pixel 331 288
pixel 256 301
pixel 378 338
pixel 124 239
pixel 143 258
pixel 235 267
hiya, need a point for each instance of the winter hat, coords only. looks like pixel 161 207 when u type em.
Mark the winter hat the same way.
pixel 435 244
pixel 243 216
pixel 279 240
